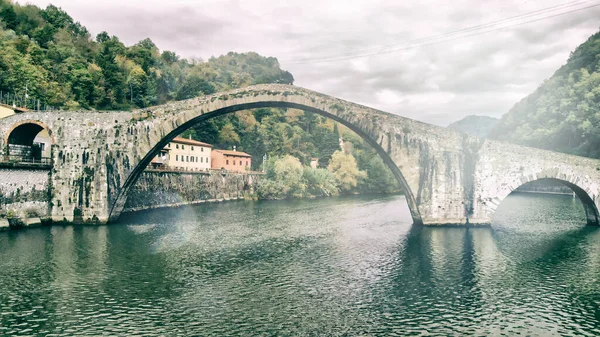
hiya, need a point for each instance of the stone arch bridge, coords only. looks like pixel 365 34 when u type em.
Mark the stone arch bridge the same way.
pixel 448 177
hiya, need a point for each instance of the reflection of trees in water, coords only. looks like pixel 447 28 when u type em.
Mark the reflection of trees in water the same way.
pixel 448 279
pixel 436 271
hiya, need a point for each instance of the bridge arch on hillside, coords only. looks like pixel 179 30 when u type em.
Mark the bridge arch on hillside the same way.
pixel 171 130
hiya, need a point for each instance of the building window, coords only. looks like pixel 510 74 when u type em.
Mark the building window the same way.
pixel 176 146
pixel 169 145
pixel 192 148
pixel 202 149
pixel 187 159
pixel 183 147
pixel 201 160
pixel 227 162
pixel 177 158
pixel 207 160
pixel 246 163
pixel 240 163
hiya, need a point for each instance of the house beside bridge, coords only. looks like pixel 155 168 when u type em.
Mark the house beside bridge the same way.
pixel 235 161
pixel 184 154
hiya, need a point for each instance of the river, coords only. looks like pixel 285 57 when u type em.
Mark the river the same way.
pixel 348 266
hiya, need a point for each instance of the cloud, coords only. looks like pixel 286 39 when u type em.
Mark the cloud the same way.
pixel 438 82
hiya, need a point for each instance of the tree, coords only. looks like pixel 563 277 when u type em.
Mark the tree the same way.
pixel 228 137
pixel 345 170
pixel 284 179
pixel 320 182
pixel 114 80
pixel 8 16
pixel 194 86
pixel 328 144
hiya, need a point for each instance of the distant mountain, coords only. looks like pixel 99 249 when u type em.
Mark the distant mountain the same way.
pixel 563 114
pixel 479 126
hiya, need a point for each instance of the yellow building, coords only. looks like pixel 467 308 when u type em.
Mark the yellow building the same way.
pixel 43 143
pixel 7 110
pixel 184 154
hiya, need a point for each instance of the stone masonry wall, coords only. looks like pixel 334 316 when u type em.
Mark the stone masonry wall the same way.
pixel 156 189
pixel 24 192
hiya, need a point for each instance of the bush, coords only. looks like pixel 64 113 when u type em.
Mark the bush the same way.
pixel 31 213
pixel 320 182
pixel 11 214
pixel 343 166
pixel 284 179
pixel 269 189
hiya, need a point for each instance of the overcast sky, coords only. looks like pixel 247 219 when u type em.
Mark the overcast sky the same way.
pixel 439 83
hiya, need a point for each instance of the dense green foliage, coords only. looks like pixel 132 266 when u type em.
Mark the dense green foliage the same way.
pixel 563 114
pixel 283 179
pixel 343 165
pixel 303 135
pixel 286 177
pixel 55 58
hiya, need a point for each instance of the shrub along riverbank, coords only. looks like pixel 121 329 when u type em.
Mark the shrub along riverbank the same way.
pixel 287 178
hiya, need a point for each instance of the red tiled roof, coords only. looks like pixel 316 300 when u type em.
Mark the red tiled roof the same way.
pixel 234 153
pixel 181 140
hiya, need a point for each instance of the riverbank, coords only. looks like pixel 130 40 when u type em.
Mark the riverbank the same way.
pixel 180 204
pixel 160 189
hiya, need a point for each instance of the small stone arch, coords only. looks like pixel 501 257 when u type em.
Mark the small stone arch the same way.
pixel 19 142
pixel 28 125
pixel 583 192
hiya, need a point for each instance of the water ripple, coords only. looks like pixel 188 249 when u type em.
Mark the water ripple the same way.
pixel 351 266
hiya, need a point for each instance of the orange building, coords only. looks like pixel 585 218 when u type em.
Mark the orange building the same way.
pixel 231 160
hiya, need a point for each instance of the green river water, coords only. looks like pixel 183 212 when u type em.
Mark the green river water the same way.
pixel 348 266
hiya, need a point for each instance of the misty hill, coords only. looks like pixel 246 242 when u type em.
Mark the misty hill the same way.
pixel 479 126
pixel 563 114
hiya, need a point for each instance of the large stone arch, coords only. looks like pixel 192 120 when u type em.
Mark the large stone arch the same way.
pixel 171 127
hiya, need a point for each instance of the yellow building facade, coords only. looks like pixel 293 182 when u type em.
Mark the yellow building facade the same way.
pixel 184 154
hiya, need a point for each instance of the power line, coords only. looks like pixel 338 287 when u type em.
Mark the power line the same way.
pixel 477 30
pixel 534 13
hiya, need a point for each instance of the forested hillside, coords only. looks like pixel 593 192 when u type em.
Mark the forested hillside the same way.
pixel 56 59
pixel 563 114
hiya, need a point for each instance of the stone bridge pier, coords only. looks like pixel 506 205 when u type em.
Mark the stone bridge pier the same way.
pixel 447 177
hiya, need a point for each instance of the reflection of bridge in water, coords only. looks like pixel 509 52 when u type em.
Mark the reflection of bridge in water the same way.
pixel 448 177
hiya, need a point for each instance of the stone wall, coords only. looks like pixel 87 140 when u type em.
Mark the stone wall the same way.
pixel 156 189
pixel 542 186
pixel 24 192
